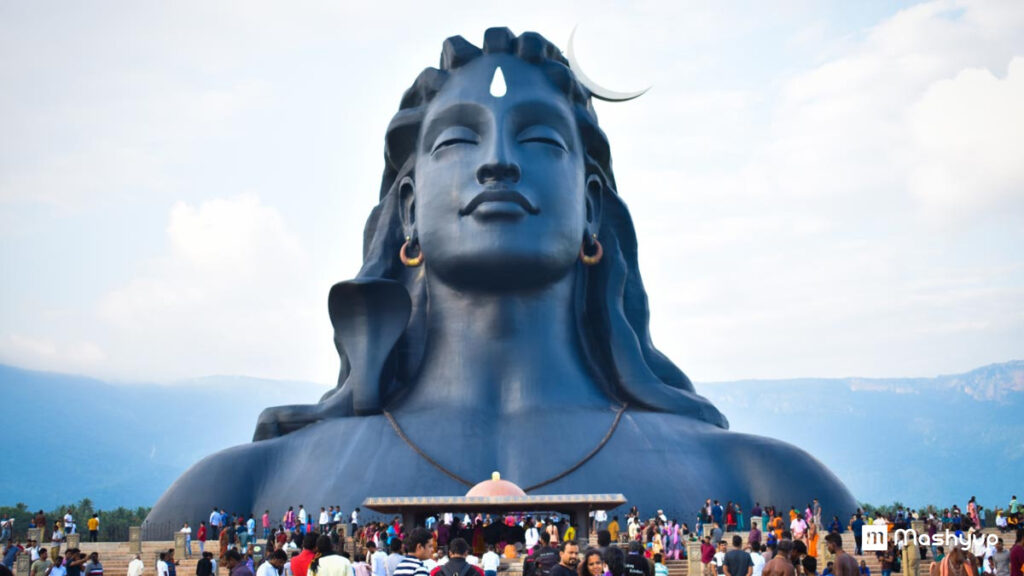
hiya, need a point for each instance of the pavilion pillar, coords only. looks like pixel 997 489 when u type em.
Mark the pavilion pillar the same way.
pixel 582 526
pixel 135 540
pixel 693 565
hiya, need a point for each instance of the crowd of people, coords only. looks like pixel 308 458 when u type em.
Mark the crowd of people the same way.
pixel 794 542
pixel 55 533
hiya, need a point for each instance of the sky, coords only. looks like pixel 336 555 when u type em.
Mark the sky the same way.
pixel 819 188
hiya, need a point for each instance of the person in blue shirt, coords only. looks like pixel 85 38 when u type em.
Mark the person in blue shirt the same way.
pixel 856 526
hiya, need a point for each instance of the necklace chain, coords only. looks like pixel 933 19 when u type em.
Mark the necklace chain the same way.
pixel 607 436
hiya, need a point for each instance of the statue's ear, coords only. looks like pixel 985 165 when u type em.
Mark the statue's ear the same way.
pixel 594 197
pixel 407 205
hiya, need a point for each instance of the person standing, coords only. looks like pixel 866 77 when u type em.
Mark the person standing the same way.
pixel 490 561
pixel 780 564
pixel 377 559
pixel 214 523
pixel 635 562
pixel 737 562
pixel 201 536
pixel 355 520
pixel 600 519
pixel 236 567
pixel 300 564
pixel 1017 552
pixel 94 528
pixel 419 547
pixel 205 565
pixel 844 564
pixel 457 565
pixel 41 567
pixel 614 529
pixel 707 554
pixel 265 521
pixel 999 561
pixel 93 567
pixel 757 559
pixel 136 566
pixel 273 565
pixel 568 558
pixel 857 526
pixel 187 531
pixel 395 557
pixel 161 565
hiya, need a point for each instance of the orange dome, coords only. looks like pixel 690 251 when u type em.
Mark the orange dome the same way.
pixel 495 487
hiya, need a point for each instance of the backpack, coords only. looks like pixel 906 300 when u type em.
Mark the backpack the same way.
pixel 466 570
pixel 547 559
pixel 530 566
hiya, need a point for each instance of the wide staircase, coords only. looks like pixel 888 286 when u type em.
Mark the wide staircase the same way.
pixel 115 557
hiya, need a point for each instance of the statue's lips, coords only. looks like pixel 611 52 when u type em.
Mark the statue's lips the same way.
pixel 499 195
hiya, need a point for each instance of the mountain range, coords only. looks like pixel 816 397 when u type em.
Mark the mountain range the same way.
pixel 917 440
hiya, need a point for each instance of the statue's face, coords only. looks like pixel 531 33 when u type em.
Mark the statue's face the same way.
pixel 499 198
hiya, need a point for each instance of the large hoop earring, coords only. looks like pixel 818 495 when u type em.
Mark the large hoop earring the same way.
pixel 404 257
pixel 598 253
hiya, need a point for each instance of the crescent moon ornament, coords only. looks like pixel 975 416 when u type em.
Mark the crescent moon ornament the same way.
pixel 596 90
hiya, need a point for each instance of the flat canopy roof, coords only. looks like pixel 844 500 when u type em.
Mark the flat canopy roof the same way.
pixel 553 502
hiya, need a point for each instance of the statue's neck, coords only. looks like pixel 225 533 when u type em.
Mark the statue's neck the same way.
pixel 508 353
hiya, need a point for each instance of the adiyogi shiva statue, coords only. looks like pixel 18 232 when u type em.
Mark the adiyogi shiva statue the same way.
pixel 499 322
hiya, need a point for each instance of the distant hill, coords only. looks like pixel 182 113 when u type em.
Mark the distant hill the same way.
pixel 919 440
pixel 70 437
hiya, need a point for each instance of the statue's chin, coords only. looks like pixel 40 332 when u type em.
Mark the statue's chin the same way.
pixel 501 270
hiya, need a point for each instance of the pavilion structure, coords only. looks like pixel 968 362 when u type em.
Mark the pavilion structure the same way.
pixel 497 496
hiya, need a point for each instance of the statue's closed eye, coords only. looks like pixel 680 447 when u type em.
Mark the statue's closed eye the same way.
pixel 541 134
pixel 453 136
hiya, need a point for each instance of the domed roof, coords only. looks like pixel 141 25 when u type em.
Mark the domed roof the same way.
pixel 495 487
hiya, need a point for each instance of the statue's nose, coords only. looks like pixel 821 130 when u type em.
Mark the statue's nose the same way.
pixel 498 172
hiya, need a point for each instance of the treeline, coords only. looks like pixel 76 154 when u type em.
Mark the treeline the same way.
pixel 113 523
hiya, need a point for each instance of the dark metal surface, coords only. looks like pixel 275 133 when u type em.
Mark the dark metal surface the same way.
pixel 501 351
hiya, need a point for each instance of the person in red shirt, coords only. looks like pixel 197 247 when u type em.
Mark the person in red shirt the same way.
pixel 1017 554
pixel 458 549
pixel 201 537
pixel 707 554
pixel 300 564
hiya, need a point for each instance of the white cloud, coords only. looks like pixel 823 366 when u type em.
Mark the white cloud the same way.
pixel 877 221
pixel 818 189
pixel 966 134
pixel 233 294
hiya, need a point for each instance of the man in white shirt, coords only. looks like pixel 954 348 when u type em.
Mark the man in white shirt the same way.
pixel 273 565
pixel 161 565
pixel 355 520
pixel 490 562
pixel 323 521
pixel 377 559
pixel 135 567
pixel 33 550
pixel 69 523
pixel 757 559
pixel 600 519
pixel 302 518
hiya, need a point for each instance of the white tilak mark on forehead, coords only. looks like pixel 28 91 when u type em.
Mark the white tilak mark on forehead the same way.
pixel 498 87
